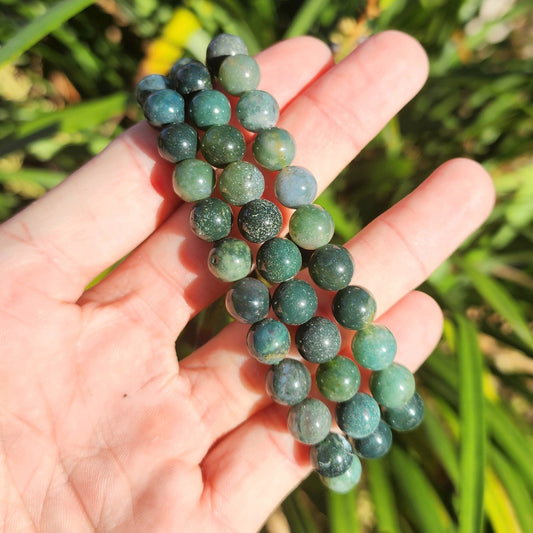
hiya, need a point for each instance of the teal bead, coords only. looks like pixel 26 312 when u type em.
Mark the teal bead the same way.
pixel 318 340
pixel 288 382
pixel 164 107
pixel 406 417
pixel 177 142
pixel 273 148
pixel 268 341
pixel 376 445
pixel 333 456
pixel 222 46
pixel 331 267
pixel 211 219
pixel 191 78
pixel 374 347
pixel 149 85
pixel 241 182
pixel 181 62
pixel 311 226
pixel 278 260
pixel 248 300
pixel 359 416
pixel 238 74
pixel 257 110
pixel 230 259
pixel 309 421
pixel 294 302
pixel 392 386
pixel 222 145
pixel 209 108
pixel 295 186
pixel 259 221
pixel 353 307
pixel 339 379
pixel 347 481
pixel 193 180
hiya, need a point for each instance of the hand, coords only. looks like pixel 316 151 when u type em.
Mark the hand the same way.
pixel 100 428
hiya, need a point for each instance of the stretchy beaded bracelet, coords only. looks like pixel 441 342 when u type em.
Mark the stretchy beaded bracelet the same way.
pixel 185 107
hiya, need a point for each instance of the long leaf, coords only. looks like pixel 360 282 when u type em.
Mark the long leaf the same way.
pixel 305 18
pixel 383 497
pixel 342 512
pixel 499 508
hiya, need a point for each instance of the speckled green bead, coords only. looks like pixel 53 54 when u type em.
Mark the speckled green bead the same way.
pixel 177 65
pixel 347 481
pixel 268 341
pixel 193 180
pixel 149 85
pixel 288 382
pixel 294 302
pixel 191 78
pixel 230 259
pixel 353 307
pixel 406 417
pixel 359 416
pixel 257 110
pixel 274 148
pixel 222 145
pixel 318 340
pixel 374 347
pixel 309 421
pixel 222 46
pixel 332 456
pixel 331 267
pixel 248 300
pixel 259 220
pixel 211 219
pixel 392 386
pixel 209 108
pixel 375 445
pixel 177 142
pixel 241 182
pixel 238 74
pixel 339 379
pixel 295 186
pixel 278 260
pixel 311 226
pixel 164 107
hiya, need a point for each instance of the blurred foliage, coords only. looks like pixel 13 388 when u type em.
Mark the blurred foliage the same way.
pixel 468 468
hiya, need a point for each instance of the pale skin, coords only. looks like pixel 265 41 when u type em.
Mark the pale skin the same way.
pixel 100 428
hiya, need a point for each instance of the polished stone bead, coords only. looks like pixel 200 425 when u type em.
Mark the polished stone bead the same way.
pixel 375 445
pixel 392 386
pixel 257 110
pixel 149 85
pixel 193 180
pixel 359 416
pixel 191 78
pixel 339 379
pixel 353 307
pixel 164 107
pixel 374 347
pixel 332 456
pixel 347 481
pixel 309 421
pixel 268 341
pixel 274 148
pixel 248 300
pixel 295 186
pixel 222 145
pixel 278 260
pixel 238 74
pixel 241 182
pixel 406 417
pixel 181 62
pixel 294 301
pixel 222 46
pixel 209 108
pixel 318 340
pixel 331 267
pixel 311 226
pixel 230 259
pixel 211 219
pixel 259 220
pixel 288 382
pixel 177 142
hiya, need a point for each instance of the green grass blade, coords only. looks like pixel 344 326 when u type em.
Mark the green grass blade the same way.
pixel 498 506
pixel 305 18
pixel 383 497
pixel 298 514
pixel 342 512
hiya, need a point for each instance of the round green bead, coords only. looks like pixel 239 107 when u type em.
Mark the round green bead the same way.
pixel 339 379
pixel 149 85
pixel 311 226
pixel 209 108
pixel 241 182
pixel 230 259
pixel 191 78
pixel 406 417
pixel 347 481
pixel 268 341
pixel 332 456
pixel 376 445
pixel 274 148
pixel 248 300
pixel 353 307
pixel 318 340
pixel 164 107
pixel 222 145
pixel 359 416
pixel 238 74
pixel 222 46
pixel 294 301
pixel 177 65
pixel 193 180
pixel 257 110
pixel 331 267
pixel 374 347
pixel 177 142
pixel 259 221
pixel 295 186
pixel 392 386
pixel 288 382
pixel 211 219
pixel 309 421
pixel 278 260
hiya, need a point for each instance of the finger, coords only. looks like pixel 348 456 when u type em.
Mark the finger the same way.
pixel 115 201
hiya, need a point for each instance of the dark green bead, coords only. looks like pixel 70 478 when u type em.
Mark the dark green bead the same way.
pixel 408 416
pixel 311 226
pixel 347 481
pixel 331 267
pixel 248 300
pixel 164 107
pixel 193 180
pixel 211 219
pixel 295 186
pixel 257 110
pixel 288 382
pixel 230 259
pixel 149 85
pixel 353 307
pixel 309 421
pixel 177 142
pixel 238 74
pixel 294 301
pixel 181 62
pixel 222 145
pixel 359 416
pixel 274 148
pixel 259 221
pixel 374 347
pixel 268 341
pixel 222 46
pixel 376 445
pixel 278 260
pixel 209 108
pixel 191 78
pixel 392 386
pixel 339 379
pixel 318 340
pixel 332 456
pixel 241 182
